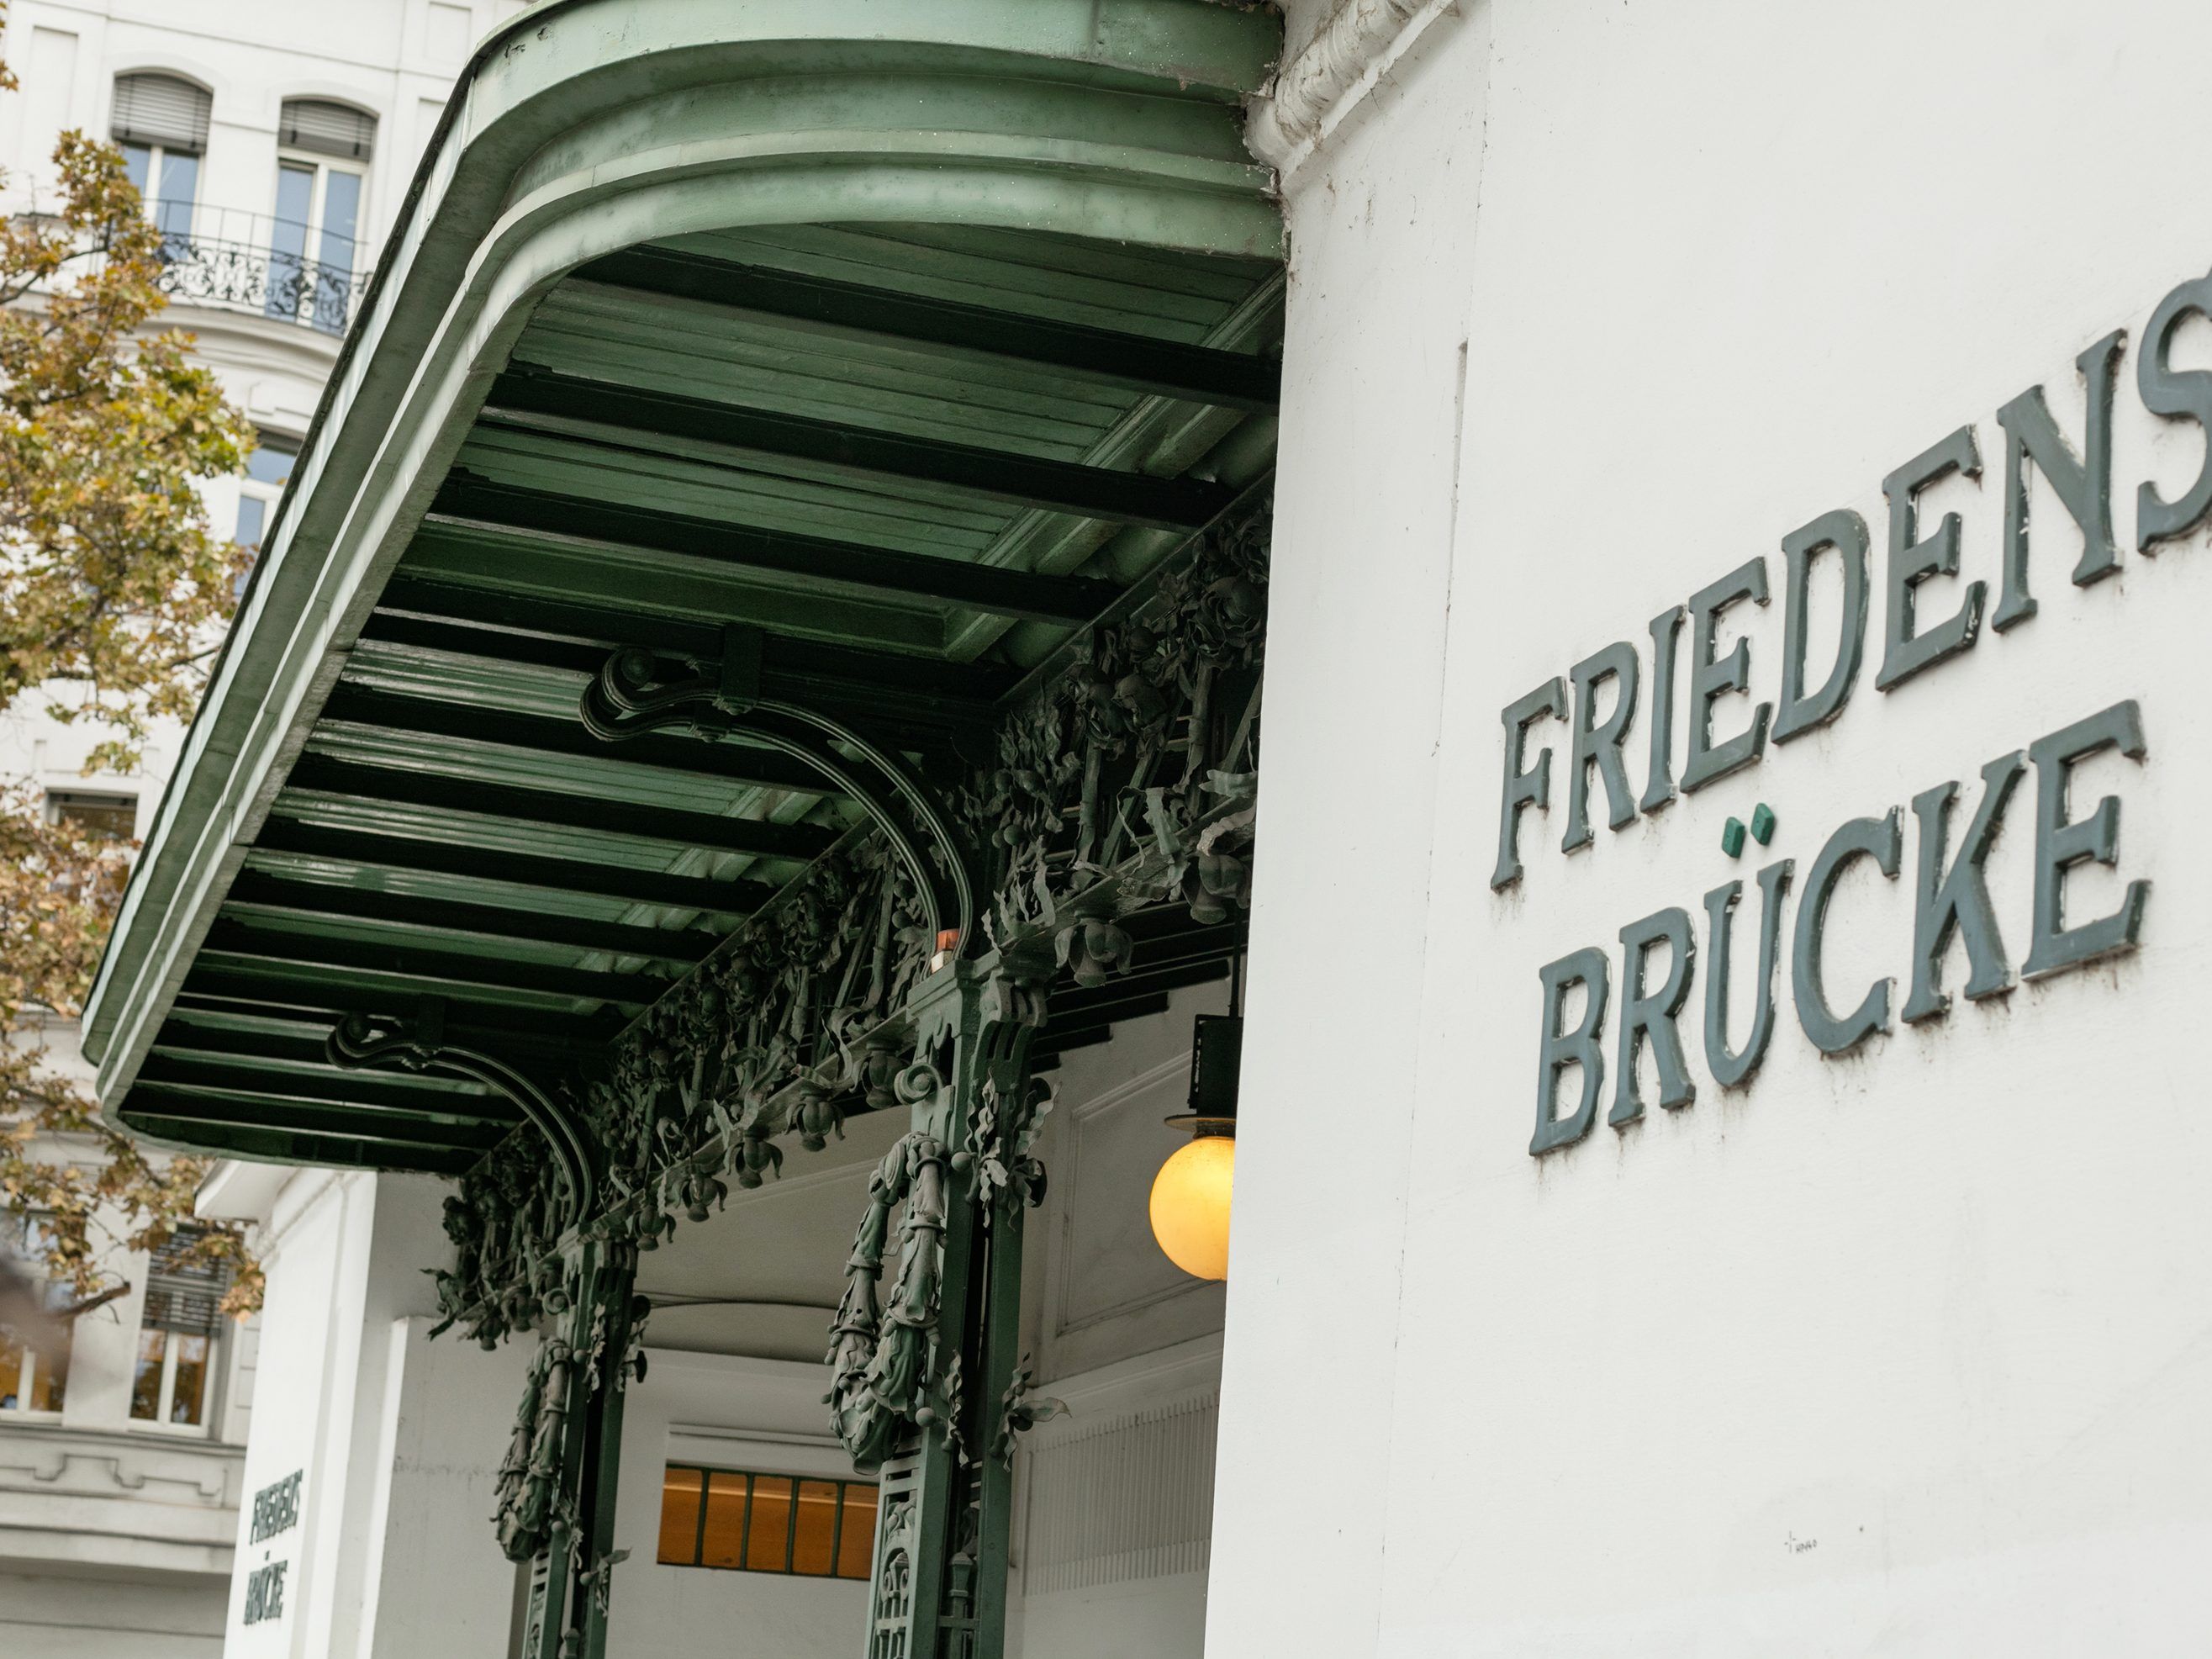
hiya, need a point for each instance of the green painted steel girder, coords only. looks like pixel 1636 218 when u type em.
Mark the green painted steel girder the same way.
pixel 1135 363
pixel 235 1038
pixel 366 707
pixel 281 1111
pixel 368 851
pixel 396 1093
pixel 488 509
pixel 263 893
pixel 878 688
pixel 235 940
pixel 230 1019
pixel 275 986
pixel 595 412
pixel 788 666
pixel 258 1134
pixel 760 838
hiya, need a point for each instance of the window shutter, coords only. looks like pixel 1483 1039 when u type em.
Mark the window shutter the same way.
pixel 326 128
pixel 160 109
pixel 182 1296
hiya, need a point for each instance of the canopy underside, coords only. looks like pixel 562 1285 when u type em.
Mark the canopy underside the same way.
pixel 915 459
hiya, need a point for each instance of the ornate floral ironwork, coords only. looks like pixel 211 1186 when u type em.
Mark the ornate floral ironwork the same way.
pixel 240 276
pixel 1126 781
pixel 881 1360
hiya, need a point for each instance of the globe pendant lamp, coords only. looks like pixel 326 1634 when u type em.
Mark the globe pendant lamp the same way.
pixel 1190 1194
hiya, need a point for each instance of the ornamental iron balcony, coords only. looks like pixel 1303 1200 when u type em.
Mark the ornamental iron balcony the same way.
pixel 253 262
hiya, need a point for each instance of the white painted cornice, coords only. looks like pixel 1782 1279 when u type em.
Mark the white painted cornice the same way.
pixel 1313 92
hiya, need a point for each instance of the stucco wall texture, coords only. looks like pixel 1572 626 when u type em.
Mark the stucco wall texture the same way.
pixel 1899 1353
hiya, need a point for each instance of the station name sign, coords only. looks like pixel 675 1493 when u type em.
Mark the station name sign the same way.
pixel 1952 904
pixel 275 1512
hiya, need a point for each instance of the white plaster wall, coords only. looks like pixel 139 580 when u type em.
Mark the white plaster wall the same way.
pixel 1897 1354
pixel 1114 1500
pixel 1110 1548
pixel 398 1440
pixel 1381 239
pixel 1097 1290
pixel 725 1412
pixel 437 1581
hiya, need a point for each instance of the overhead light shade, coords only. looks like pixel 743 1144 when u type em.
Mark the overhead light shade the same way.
pixel 1190 1205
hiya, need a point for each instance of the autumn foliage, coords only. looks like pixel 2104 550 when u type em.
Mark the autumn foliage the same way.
pixel 112 584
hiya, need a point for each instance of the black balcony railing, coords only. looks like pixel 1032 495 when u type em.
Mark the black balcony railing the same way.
pixel 203 271
pixel 248 265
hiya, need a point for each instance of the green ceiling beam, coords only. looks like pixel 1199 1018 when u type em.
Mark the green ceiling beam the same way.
pixel 253 1140
pixel 1130 362
pixel 285 1038
pixel 1102 1018
pixel 280 987
pixel 263 893
pixel 394 1092
pixel 633 417
pixel 483 508
pixel 870 686
pixel 784 662
pixel 471 723
pixel 1172 948
pixel 713 895
pixel 391 785
pixel 237 940
pixel 221 994
pixel 674 587
pixel 268 1111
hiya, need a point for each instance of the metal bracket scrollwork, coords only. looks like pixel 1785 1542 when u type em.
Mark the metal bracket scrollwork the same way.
pixel 637 691
pixel 419 1044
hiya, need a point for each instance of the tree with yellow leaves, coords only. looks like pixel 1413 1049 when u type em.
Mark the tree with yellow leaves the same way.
pixel 112 588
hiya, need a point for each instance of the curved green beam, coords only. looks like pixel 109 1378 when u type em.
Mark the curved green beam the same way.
pixel 582 127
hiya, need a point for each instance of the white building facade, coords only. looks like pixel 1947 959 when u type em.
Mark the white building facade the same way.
pixel 1890 1345
pixel 274 143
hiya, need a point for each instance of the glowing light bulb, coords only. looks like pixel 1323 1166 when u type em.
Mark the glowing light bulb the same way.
pixel 1190 1205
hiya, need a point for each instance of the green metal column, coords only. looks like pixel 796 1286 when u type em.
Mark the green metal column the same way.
pixel 945 1523
pixel 559 1487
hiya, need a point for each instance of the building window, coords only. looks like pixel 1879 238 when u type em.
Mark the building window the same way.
pixel 177 1336
pixel 103 815
pixel 160 123
pixel 267 470
pixel 33 1365
pixel 767 1523
pixel 315 248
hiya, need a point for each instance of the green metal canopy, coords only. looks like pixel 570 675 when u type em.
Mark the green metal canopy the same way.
pixel 885 347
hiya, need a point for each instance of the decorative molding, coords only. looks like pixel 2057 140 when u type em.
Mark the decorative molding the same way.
pixel 1347 57
pixel 57 1461
pixel 1135 1083
pixel 759 1451
pixel 827 1442
pixel 1180 1372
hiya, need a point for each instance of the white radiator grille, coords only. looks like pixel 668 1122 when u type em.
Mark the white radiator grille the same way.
pixel 1128 1498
